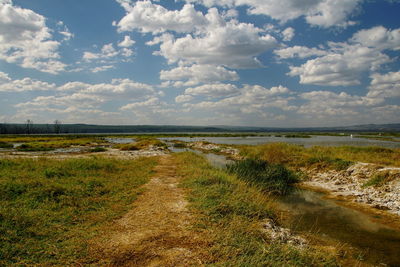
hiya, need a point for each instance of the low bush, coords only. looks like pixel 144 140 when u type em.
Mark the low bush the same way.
pixel 274 178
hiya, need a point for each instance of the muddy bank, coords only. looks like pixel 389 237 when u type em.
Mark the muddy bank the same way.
pixel 370 184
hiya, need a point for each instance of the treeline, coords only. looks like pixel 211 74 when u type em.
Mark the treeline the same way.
pixel 30 128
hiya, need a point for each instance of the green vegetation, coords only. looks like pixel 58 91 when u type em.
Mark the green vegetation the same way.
pixel 338 158
pixel 6 145
pixel 379 179
pixel 98 149
pixel 273 178
pixel 143 143
pixel 230 214
pixel 49 209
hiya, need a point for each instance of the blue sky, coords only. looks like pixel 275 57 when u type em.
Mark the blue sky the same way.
pixel 276 63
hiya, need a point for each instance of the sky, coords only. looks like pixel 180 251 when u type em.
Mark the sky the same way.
pixel 269 63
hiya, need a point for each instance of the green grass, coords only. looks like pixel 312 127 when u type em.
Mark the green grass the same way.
pixel 272 178
pixel 98 149
pixel 6 145
pixel 229 214
pixel 379 179
pixel 49 209
pixel 338 158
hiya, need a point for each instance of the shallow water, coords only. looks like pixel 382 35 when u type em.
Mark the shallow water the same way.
pixel 310 212
pixel 218 161
pixel 307 142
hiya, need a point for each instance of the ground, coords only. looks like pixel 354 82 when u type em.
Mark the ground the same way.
pixel 156 232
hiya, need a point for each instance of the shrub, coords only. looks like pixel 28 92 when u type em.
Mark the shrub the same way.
pixel 98 149
pixel 274 178
pixel 6 145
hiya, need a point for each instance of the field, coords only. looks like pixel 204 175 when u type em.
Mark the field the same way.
pixel 53 210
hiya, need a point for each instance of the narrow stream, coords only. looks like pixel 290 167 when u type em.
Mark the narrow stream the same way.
pixel 311 213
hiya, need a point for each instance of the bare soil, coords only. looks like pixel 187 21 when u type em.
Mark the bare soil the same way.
pixel 157 231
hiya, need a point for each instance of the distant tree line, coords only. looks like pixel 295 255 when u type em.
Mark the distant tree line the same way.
pixel 30 128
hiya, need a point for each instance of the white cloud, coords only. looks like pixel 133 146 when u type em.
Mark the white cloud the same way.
pixel 288 34
pixel 108 56
pixel 385 85
pixel 299 52
pixel 231 44
pixel 27 41
pixel 23 85
pixel 251 99
pixel 103 68
pixel 211 38
pixel 378 37
pixel 323 13
pixel 325 103
pixel 127 42
pixel 183 98
pixel 195 74
pixel 146 17
pixel 344 63
pixel 213 90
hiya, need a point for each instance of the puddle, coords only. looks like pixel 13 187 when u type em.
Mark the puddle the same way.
pixel 310 212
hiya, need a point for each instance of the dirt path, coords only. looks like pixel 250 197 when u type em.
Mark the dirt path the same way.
pixel 156 232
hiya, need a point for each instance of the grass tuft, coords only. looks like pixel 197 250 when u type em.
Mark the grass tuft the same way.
pixel 273 178
pixel 230 215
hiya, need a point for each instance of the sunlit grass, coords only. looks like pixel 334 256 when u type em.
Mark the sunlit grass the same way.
pixel 49 209
pixel 230 212
pixel 324 157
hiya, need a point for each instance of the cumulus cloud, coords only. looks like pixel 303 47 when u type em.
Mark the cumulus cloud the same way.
pixel 195 74
pixel 342 64
pixel 23 85
pixel 147 17
pixel 250 99
pixel 385 85
pixel 127 42
pixel 288 34
pixel 322 13
pixel 26 40
pixel 212 38
pixel 108 55
pixel 299 52
pixel 322 104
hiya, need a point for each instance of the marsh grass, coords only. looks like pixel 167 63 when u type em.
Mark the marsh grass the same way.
pixel 143 143
pixel 6 145
pixel 379 179
pixel 98 149
pixel 49 209
pixel 338 158
pixel 272 178
pixel 230 212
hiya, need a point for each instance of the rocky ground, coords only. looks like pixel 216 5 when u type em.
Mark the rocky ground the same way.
pixel 82 152
pixel 355 183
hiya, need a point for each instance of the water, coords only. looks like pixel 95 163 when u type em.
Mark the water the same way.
pixel 310 212
pixel 218 161
pixel 307 142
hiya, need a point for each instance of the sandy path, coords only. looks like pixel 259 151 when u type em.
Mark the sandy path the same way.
pixel 156 232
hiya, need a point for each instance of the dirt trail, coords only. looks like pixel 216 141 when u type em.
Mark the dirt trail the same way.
pixel 156 232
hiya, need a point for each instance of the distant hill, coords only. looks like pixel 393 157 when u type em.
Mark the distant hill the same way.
pixel 89 128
